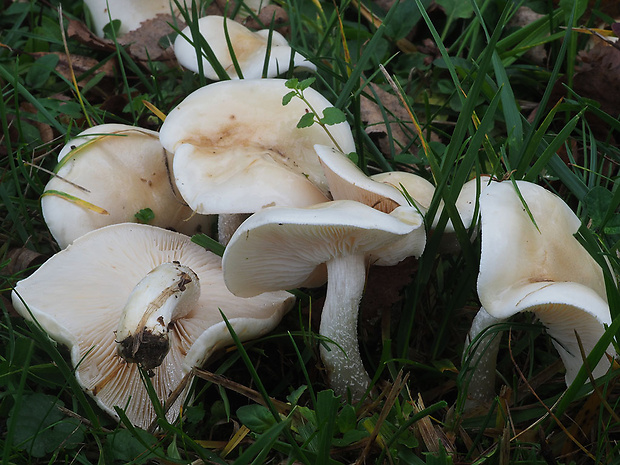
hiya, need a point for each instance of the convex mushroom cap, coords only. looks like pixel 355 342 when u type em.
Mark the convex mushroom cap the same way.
pixel 250 50
pixel 107 175
pixel 99 295
pixel 542 268
pixel 283 248
pixel 238 149
pixel 130 12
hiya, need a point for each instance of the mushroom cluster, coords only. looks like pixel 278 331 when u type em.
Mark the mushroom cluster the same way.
pixel 294 211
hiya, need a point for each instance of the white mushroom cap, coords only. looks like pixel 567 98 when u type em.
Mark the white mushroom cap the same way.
pixel 422 192
pixel 540 268
pixel 419 189
pixel 78 296
pixel 385 191
pixel 348 182
pixel 130 12
pixel 235 127
pixel 283 248
pixel 124 169
pixel 531 258
pixel 250 49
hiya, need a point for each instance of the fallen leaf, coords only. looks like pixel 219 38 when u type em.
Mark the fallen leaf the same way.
pixel 81 65
pixel 401 127
pixel 145 43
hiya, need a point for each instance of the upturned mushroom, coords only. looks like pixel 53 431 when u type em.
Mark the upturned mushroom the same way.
pixel 536 264
pixel 107 175
pixel 250 49
pixel 131 295
pixel 237 149
pixel 283 248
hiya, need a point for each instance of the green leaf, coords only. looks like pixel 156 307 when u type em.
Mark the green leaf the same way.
pixel 288 97
pixel 292 83
pixel 145 216
pixel 333 115
pixel 306 121
pixel 41 428
pixel 404 19
pixel 598 202
pixel 457 8
pixel 303 85
pixel 41 70
pixel 132 446
pixel 256 417
pixel 347 419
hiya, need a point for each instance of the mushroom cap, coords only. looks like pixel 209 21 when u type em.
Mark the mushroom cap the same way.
pixel 237 126
pixel 422 192
pixel 125 169
pixel 284 248
pixel 348 182
pixel 250 49
pixel 515 254
pixel 130 12
pixel 545 270
pixel 419 189
pixel 78 295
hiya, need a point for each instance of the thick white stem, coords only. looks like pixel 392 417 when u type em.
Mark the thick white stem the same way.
pixel 164 295
pixel 227 224
pixel 481 359
pixel 346 276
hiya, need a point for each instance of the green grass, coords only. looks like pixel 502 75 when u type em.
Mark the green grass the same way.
pixel 470 101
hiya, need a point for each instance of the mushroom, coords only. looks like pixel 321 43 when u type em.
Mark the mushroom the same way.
pixel 348 182
pixel 537 265
pixel 250 50
pixel 130 12
pixel 385 191
pixel 237 149
pixel 107 175
pixel 422 192
pixel 283 248
pixel 130 295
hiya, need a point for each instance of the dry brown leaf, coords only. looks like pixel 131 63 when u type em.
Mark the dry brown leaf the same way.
pixel 81 64
pixel 143 44
pixel 269 14
pixel 77 30
pixel 398 118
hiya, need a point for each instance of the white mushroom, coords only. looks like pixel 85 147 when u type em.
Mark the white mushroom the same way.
pixel 131 294
pixel 422 192
pixel 283 248
pixel 107 175
pixel 538 266
pixel 130 12
pixel 386 191
pixel 237 149
pixel 348 182
pixel 250 50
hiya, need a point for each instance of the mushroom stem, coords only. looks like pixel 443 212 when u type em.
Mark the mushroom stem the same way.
pixel 480 359
pixel 346 278
pixel 227 224
pixel 164 295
